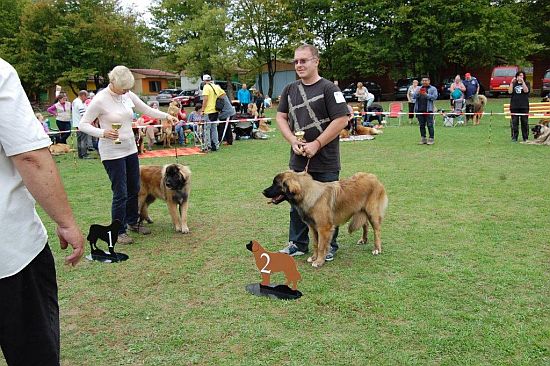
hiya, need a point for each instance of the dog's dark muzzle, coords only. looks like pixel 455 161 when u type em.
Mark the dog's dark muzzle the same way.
pixel 249 246
pixel 275 194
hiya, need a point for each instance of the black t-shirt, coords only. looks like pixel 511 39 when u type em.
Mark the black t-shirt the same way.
pixel 323 103
pixel 519 100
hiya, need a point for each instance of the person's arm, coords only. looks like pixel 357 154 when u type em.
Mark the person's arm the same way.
pixel 332 131
pixel 282 122
pixel 477 90
pixel 432 93
pixel 204 102
pixel 41 177
pixel 52 110
pixel 462 87
pixel 525 87
pixel 511 86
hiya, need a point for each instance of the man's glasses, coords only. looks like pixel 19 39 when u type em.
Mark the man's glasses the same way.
pixel 302 61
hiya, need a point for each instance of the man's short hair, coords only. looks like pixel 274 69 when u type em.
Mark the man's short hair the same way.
pixel 312 49
pixel 425 77
pixel 83 92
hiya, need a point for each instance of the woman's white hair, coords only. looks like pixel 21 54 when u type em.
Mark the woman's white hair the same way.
pixel 121 77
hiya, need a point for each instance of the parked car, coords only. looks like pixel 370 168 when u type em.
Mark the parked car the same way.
pixel 501 77
pixel 546 84
pixel 165 95
pixel 445 85
pixel 401 87
pixel 188 98
pixel 373 88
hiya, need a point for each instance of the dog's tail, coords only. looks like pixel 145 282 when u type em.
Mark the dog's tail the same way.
pixel 384 205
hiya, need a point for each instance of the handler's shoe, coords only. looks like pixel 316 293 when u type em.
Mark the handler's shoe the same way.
pixel 138 228
pixel 330 255
pixel 430 142
pixel 124 239
pixel 423 141
pixel 292 250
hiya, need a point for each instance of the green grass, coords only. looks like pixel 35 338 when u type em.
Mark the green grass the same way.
pixel 463 279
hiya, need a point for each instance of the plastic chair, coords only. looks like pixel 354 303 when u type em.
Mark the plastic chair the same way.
pixel 395 111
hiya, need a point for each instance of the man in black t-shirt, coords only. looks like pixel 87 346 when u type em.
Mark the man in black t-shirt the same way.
pixel 317 107
pixel 519 103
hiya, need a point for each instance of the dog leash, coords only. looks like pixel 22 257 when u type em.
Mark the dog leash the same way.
pixel 307 165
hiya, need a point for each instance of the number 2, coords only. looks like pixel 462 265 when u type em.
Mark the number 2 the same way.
pixel 264 270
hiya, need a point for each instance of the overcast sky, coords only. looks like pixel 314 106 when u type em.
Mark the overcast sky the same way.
pixel 140 5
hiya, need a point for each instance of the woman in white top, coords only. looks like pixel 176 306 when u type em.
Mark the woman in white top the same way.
pixel 362 94
pixel 115 104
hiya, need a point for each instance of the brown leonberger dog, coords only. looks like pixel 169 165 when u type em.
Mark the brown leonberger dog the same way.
pixel 324 206
pixel 171 183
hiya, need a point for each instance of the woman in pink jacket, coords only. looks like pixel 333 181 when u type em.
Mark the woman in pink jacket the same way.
pixel 62 112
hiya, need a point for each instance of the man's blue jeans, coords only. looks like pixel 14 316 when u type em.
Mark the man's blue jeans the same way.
pixel 124 176
pixel 298 230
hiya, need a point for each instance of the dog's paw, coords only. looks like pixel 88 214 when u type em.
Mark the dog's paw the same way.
pixel 311 259
pixel 317 264
pixel 376 251
pixel 361 241
pixel 185 230
pixel 149 220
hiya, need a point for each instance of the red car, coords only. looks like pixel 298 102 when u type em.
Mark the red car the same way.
pixel 501 77
pixel 188 98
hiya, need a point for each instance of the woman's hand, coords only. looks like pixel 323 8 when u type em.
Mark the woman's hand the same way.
pixel 110 134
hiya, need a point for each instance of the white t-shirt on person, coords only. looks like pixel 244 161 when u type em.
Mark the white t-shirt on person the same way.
pixel 23 235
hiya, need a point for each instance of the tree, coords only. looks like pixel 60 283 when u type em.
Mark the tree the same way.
pixel 210 49
pixel 263 28
pixel 69 40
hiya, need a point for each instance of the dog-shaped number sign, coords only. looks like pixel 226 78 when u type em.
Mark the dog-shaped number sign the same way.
pixel 108 234
pixel 272 262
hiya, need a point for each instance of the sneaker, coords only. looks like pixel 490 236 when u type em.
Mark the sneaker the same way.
pixel 292 250
pixel 124 239
pixel 138 228
pixel 423 141
pixel 430 142
pixel 330 255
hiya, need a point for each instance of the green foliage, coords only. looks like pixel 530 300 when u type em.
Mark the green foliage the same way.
pixel 62 40
pixel 263 28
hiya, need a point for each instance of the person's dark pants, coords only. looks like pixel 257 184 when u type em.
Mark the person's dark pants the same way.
pixel 63 126
pixel 411 110
pixel 82 142
pixel 228 137
pixel 423 120
pixel 260 108
pixel 514 124
pixel 298 230
pixel 29 314
pixel 244 108
pixel 124 176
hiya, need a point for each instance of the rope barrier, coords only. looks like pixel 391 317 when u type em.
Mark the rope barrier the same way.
pixel 187 123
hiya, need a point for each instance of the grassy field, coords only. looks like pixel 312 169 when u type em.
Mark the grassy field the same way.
pixel 464 278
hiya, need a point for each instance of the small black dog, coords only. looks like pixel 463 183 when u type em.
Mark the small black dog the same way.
pixel 109 234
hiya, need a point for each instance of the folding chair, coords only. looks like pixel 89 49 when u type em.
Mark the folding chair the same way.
pixel 395 111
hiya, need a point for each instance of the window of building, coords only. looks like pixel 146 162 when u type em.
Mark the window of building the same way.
pixel 154 86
